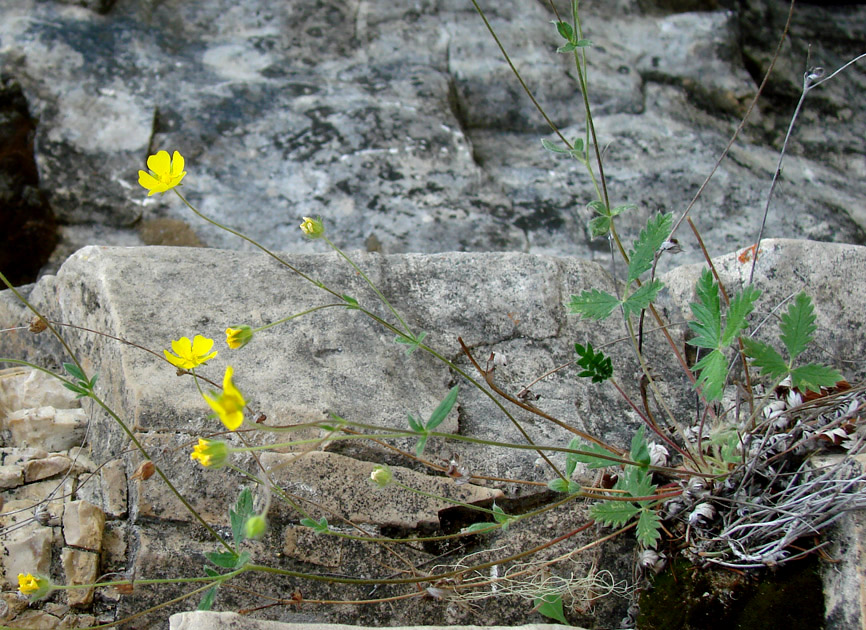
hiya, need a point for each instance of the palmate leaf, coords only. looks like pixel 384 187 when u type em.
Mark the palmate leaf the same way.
pixel 637 482
pixel 657 230
pixel 641 299
pixel 797 326
pixel 593 304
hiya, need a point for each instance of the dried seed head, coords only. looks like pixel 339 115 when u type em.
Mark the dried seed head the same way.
pixel 651 560
pixel 144 471
pixel 37 325
pixel 702 515
pixel 658 454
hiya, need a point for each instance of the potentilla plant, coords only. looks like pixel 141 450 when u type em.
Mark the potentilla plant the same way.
pixel 678 491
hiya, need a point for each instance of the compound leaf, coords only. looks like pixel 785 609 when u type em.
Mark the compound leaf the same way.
pixel 595 364
pixel 765 358
pixel 641 298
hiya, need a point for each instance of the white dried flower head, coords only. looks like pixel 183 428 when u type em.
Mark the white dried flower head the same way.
pixel 651 560
pixel 794 398
pixel 658 455
pixel 697 487
pixel 702 515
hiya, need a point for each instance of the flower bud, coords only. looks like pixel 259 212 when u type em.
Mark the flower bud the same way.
pixel 34 586
pixel 210 453
pixel 239 336
pixel 255 527
pixel 381 475
pixel 312 228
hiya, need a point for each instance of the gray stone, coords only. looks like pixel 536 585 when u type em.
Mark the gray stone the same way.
pixel 106 489
pixel 27 551
pixel 407 131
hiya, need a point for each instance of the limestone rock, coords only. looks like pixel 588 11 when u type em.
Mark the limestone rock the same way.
pixel 80 567
pixel 25 388
pixel 11 476
pixel 38 469
pixel 27 551
pixel 83 525
pixel 47 427
pixel 106 489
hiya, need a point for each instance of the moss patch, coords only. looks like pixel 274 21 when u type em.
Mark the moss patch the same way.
pixel 687 598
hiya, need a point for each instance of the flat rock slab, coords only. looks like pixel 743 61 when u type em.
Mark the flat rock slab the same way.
pixel 508 309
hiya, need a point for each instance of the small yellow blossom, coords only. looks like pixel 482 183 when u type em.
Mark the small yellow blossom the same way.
pixel 228 405
pixel 190 354
pixel 34 586
pixel 239 336
pixel 210 453
pixel 165 173
pixel 312 227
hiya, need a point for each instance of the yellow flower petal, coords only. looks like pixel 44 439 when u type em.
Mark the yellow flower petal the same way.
pixel 160 163
pixel 177 165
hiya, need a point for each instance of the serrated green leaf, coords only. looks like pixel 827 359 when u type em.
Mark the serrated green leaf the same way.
pixel 797 326
pixel 648 525
pixel 553 147
pixel 708 313
pixel 742 305
pixel 712 373
pixel 206 602
pixel 637 482
pixel 639 452
pixel 441 412
pixel 599 226
pixel 222 559
pixel 813 376
pixel 765 358
pixel 656 232
pixel 613 512
pixel 550 605
pixel 642 298
pixel 565 30
pixel 593 304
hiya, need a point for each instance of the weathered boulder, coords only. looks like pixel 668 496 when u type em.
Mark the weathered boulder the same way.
pixel 336 361
pixel 406 130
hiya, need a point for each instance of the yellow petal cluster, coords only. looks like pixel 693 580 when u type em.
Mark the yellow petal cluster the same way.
pixel 229 404
pixel 34 586
pixel 239 336
pixel 210 453
pixel 165 172
pixel 190 354
pixel 312 228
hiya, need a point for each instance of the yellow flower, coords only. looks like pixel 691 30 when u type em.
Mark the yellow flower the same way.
pixel 34 586
pixel 238 337
pixel 210 453
pixel 165 173
pixel 190 354
pixel 229 405
pixel 312 227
